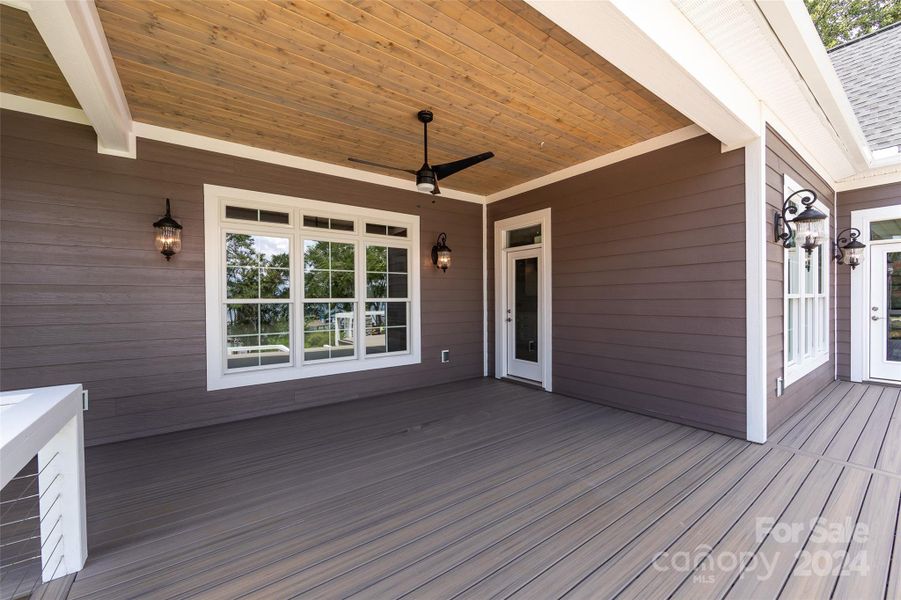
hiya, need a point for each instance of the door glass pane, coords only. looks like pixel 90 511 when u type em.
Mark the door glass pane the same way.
pixel 893 304
pixel 526 306
pixel 886 230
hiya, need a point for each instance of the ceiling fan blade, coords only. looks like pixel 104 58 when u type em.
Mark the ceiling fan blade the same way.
pixel 448 169
pixel 436 191
pixel 381 166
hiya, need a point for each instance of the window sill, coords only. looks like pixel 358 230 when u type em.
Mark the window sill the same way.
pixel 798 372
pixel 224 381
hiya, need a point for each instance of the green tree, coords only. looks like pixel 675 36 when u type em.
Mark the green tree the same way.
pixel 840 21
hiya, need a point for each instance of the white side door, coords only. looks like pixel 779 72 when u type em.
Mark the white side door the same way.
pixel 523 314
pixel 885 311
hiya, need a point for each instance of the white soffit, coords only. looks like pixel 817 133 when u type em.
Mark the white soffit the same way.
pixel 742 36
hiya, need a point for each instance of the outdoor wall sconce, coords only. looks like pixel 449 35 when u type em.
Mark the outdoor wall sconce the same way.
pixel 168 235
pixel 849 248
pixel 809 224
pixel 441 254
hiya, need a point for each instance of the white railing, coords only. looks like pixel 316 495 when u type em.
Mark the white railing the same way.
pixel 48 423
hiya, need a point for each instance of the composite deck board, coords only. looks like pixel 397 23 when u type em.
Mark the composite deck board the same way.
pixel 485 489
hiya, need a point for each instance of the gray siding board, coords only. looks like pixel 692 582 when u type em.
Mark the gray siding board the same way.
pixel 782 159
pixel 85 298
pixel 871 197
pixel 648 312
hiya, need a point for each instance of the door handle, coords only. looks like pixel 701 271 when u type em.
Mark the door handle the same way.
pixel 509 319
pixel 875 318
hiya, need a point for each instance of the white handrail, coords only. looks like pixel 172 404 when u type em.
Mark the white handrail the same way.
pixel 48 422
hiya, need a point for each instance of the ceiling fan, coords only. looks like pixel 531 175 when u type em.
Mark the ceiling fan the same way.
pixel 427 176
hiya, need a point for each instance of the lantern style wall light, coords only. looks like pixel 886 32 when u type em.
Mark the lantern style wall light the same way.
pixel 807 228
pixel 168 235
pixel 849 248
pixel 441 254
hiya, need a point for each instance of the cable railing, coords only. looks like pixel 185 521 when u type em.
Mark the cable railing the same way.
pixel 42 503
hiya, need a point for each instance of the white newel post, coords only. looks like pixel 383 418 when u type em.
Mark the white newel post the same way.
pixel 48 423
pixel 61 464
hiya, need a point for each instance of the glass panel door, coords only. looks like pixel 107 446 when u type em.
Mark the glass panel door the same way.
pixel 523 314
pixel 885 312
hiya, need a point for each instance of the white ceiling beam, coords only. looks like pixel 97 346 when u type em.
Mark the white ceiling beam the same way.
pixel 73 34
pixel 652 42
pixel 791 23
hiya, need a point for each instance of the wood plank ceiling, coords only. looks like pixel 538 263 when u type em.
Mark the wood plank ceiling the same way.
pixel 329 79
pixel 26 66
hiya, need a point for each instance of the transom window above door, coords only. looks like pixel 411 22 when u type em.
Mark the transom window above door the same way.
pixel 300 288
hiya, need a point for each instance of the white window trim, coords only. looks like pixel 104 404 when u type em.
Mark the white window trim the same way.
pixel 215 198
pixel 798 370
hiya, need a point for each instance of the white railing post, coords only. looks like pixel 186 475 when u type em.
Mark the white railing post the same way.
pixel 48 423
pixel 64 537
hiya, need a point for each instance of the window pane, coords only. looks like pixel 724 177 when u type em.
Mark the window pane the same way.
pixel 377 258
pixel 271 216
pixel 396 314
pixel 242 282
pixel 275 349
pixel 242 319
pixel 341 225
pixel 240 251
pixel 342 284
pixel 329 269
pixel 397 285
pixel 376 229
pixel 524 237
pixel 274 283
pixel 242 351
pixel 315 255
pixel 376 285
pixel 809 326
pixel 809 271
pixel 886 230
pixel 397 260
pixel 318 222
pixel 397 231
pixel 397 339
pixel 342 256
pixel 239 212
pixel 821 269
pixel 792 258
pixel 791 341
pixel 328 330
pixel 274 318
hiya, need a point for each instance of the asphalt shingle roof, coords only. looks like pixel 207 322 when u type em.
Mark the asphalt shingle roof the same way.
pixel 870 71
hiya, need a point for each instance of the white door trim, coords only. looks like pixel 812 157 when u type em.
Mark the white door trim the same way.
pixel 501 227
pixel 860 290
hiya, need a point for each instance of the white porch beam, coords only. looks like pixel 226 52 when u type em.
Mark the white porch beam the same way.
pixel 792 25
pixel 652 42
pixel 73 34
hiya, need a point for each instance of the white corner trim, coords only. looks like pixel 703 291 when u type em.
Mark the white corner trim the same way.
pixel 661 141
pixel 43 109
pixel 200 142
pixel 755 298
pixel 73 34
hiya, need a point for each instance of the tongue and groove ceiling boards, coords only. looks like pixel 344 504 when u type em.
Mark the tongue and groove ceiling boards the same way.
pixel 328 79
pixel 26 66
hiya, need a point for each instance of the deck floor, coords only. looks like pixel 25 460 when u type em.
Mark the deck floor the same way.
pixel 484 489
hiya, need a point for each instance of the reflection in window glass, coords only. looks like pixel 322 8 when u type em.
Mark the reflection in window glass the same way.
pixel 386 277
pixel 258 330
pixel 328 330
pixel 328 269
pixel 886 230
pixel 524 237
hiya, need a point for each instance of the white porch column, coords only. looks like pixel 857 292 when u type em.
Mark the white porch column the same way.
pixel 755 287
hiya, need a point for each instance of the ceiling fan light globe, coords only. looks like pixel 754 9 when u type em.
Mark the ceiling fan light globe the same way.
pixel 425 180
pixel 425 186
